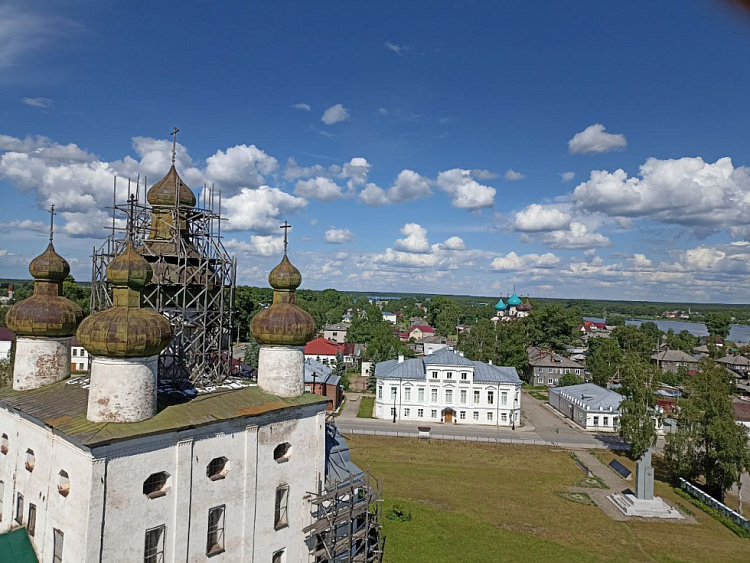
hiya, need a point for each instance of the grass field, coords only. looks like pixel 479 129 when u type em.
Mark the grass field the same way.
pixel 486 503
pixel 365 407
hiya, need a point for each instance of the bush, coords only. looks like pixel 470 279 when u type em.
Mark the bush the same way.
pixel 398 514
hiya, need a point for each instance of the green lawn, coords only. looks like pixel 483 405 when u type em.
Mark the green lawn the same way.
pixel 365 407
pixel 492 502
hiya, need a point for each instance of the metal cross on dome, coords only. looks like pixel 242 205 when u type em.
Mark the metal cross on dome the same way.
pixel 51 222
pixel 131 216
pixel 174 142
pixel 286 226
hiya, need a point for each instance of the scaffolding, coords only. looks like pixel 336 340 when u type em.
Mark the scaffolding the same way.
pixel 192 285
pixel 346 511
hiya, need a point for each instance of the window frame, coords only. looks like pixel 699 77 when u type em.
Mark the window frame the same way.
pixel 31 520
pixel 281 508
pixel 490 397
pixel 19 509
pixel 420 413
pixel 57 534
pixel 215 531
pixel 151 554
pixel 162 491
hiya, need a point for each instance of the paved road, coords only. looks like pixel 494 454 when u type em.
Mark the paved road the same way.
pixel 539 424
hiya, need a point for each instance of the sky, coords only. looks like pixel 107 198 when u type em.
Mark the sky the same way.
pixel 570 150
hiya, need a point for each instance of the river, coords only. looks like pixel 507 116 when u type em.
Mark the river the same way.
pixel 737 333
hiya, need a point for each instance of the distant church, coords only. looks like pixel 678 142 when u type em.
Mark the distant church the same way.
pixel 511 309
pixel 109 468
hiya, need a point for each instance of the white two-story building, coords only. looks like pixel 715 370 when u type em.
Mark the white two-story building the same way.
pixel 446 387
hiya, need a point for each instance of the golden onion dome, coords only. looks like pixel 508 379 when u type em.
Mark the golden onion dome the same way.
pixel 165 191
pixel 125 329
pixel 47 312
pixel 283 323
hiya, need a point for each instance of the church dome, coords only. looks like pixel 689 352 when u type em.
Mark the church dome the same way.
pixel 125 329
pixel 514 300
pixel 525 306
pixel 47 312
pixel 283 323
pixel 500 306
pixel 165 191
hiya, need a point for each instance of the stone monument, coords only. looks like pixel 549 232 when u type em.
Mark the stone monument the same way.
pixel 644 477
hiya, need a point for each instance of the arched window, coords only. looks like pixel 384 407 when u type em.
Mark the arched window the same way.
pixel 217 468
pixel 63 483
pixel 282 452
pixel 156 485
pixel 4 444
pixel 30 460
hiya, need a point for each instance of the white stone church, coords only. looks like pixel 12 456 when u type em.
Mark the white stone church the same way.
pixel 449 388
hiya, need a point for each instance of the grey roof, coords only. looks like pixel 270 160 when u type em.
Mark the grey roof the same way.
pixel 734 360
pixel 545 358
pixel 339 464
pixel 592 396
pixel 315 372
pixel 416 368
pixel 337 326
pixel 673 356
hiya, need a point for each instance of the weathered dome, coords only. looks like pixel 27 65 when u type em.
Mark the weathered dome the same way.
pixel 500 306
pixel 165 191
pixel 285 276
pixel 47 312
pixel 514 300
pixel 126 330
pixel 283 323
pixel 525 306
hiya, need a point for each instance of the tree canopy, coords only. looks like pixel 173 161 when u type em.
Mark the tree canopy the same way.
pixel 603 360
pixel 718 324
pixel 638 378
pixel 554 326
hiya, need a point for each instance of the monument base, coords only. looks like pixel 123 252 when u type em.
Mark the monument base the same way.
pixel 629 505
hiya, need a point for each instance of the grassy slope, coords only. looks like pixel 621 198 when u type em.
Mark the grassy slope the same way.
pixel 480 502
pixel 365 407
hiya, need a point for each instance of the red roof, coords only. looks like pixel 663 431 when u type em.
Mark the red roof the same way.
pixel 423 328
pixel 741 411
pixel 600 325
pixel 6 335
pixel 323 347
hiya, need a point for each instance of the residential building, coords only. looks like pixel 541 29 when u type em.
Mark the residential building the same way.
pixel 319 379
pixel 447 387
pixel 6 342
pixel 742 412
pixel 737 363
pixel 547 367
pixel 336 332
pixel 511 309
pixel 352 353
pixel 324 351
pixel 79 357
pixel 590 406
pixel 672 360
pixel 418 332
pixel 431 344
pixel 390 317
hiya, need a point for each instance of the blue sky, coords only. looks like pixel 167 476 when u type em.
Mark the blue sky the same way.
pixel 572 150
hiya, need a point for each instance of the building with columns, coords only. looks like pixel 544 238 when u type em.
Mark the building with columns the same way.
pixel 103 469
pixel 447 387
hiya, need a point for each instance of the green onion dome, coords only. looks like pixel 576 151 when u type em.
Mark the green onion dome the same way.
pixel 165 191
pixel 126 330
pixel 283 323
pixel 47 312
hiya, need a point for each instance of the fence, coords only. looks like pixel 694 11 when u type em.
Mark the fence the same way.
pixel 486 439
pixel 715 504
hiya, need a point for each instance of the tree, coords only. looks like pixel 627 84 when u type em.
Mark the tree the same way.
pixel 631 339
pixel 365 324
pixel 652 331
pixel 554 326
pixel 76 293
pixel 718 324
pixel 512 344
pixel 252 351
pixel 339 369
pixel 604 360
pixel 638 378
pixel 385 346
pixel 708 443
pixel 479 343
pixel 615 320
pixel 683 341
pixel 569 379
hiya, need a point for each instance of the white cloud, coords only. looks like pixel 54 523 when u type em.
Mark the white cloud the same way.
pixel 259 245
pixel 303 107
pixel 356 172
pixel 88 224
pixel 335 114
pixel 578 237
pixel 567 176
pixel 294 171
pixel 465 192
pixel 512 262
pixel 484 174
pixel 260 210
pixel 382 111
pixel 541 218
pixel 685 191
pixel 453 243
pixel 415 240
pixel 594 139
pixel 408 186
pixel 24 225
pixel 37 102
pixel 239 166
pixel 322 189
pixel 511 175
pixel 338 236
pixel 398 49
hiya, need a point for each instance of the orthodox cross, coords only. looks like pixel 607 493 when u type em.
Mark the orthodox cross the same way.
pixel 286 226
pixel 174 142
pixel 51 222
pixel 131 215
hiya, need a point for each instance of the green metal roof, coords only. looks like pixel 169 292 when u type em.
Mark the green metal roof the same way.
pixel 15 547
pixel 62 406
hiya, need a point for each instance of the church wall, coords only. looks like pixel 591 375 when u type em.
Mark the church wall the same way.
pixel 40 486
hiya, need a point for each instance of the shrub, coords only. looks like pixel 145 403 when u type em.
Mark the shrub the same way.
pixel 398 514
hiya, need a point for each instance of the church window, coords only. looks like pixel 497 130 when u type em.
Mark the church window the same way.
pixel 31 524
pixel 19 509
pixel 420 395
pixel 215 540
pixel 278 557
pixel 407 394
pixel 280 519
pixel 57 546
pixel 4 444
pixel 156 485
pixel 282 452
pixel 63 483
pixel 217 468
pixel 30 460
pixel 490 397
pixel 154 545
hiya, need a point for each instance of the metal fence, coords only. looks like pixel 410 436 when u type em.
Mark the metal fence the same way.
pixel 486 439
pixel 715 504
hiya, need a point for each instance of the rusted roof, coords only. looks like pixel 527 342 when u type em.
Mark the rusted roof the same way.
pixel 62 406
